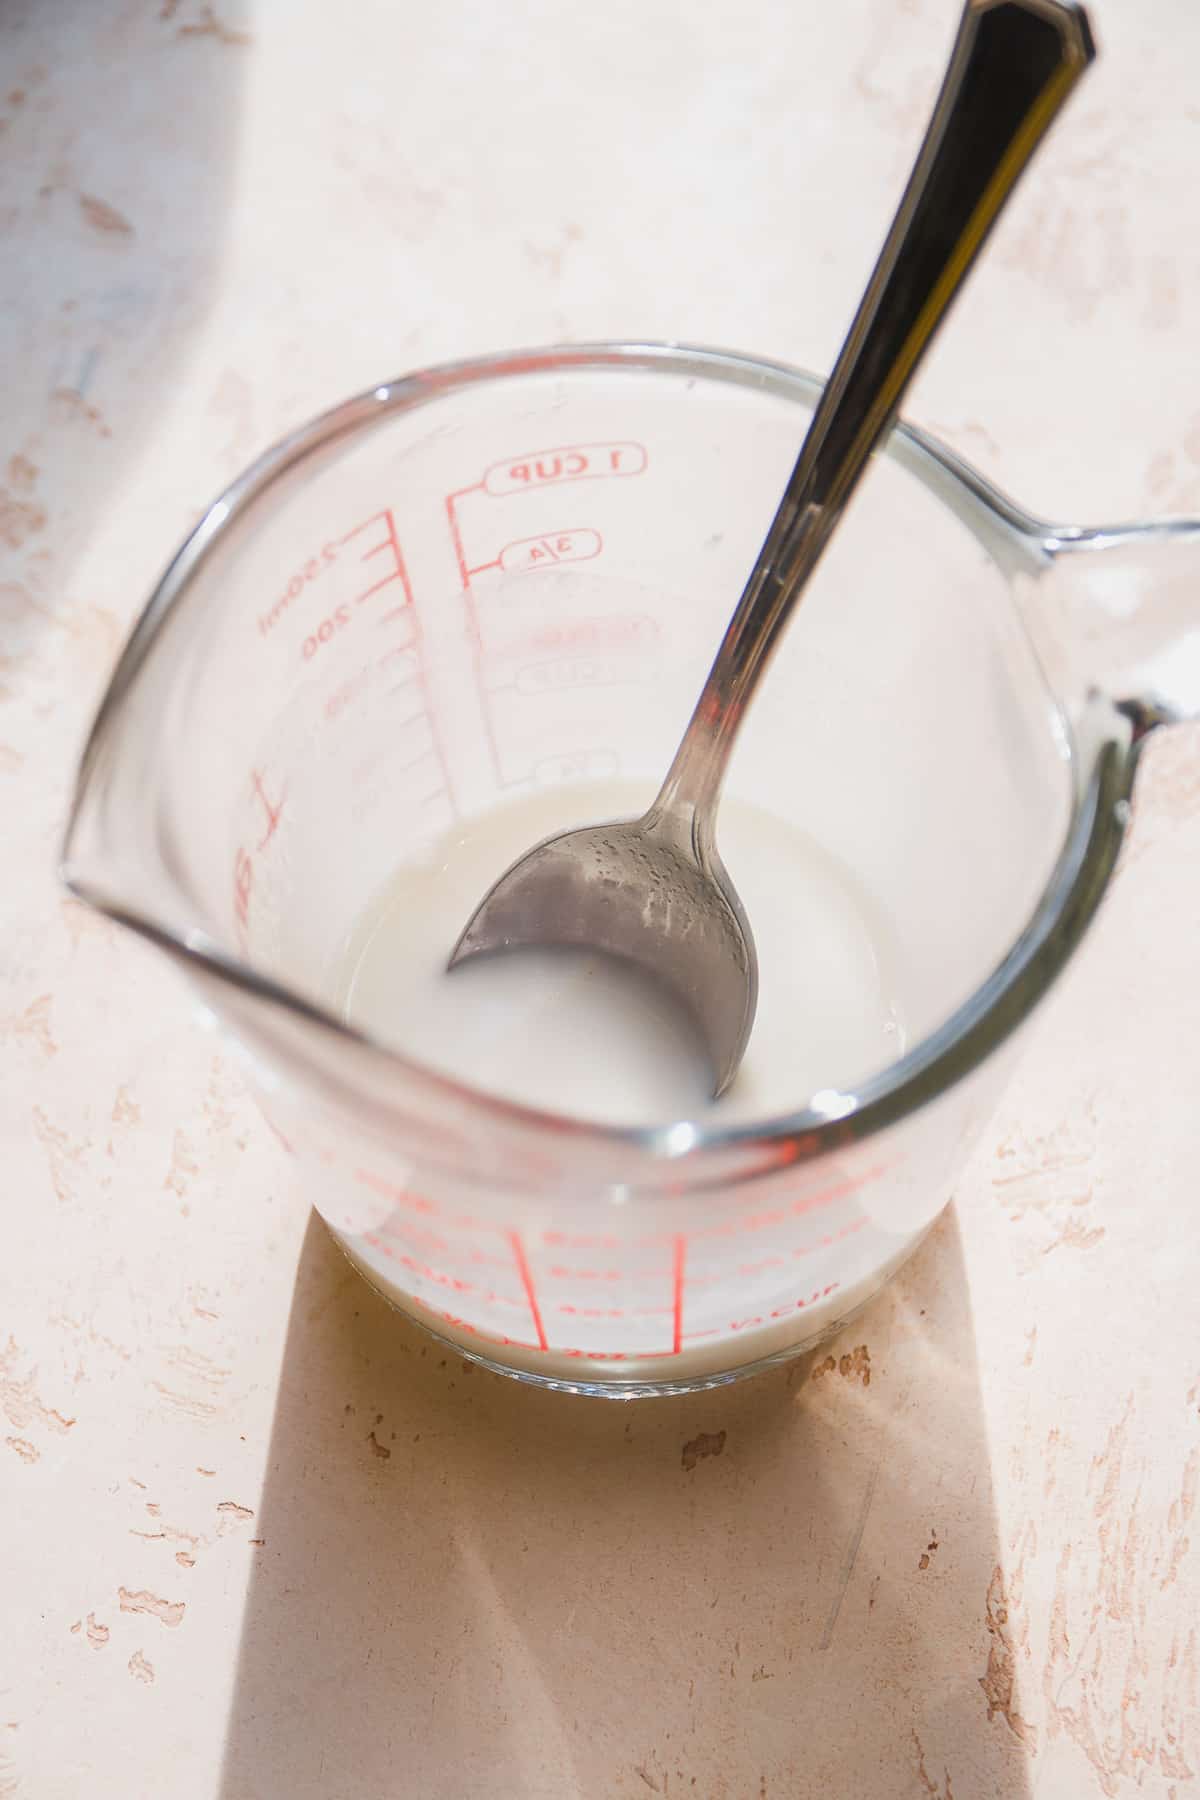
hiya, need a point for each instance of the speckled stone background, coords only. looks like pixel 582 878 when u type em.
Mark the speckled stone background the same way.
pixel 259 1538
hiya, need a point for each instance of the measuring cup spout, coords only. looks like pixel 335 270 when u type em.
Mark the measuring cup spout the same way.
pixel 125 846
pixel 110 858
pixel 1117 612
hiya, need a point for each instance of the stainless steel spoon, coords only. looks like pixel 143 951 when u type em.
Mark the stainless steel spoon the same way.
pixel 654 890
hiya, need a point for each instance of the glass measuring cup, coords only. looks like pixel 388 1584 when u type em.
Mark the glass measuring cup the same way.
pixel 510 574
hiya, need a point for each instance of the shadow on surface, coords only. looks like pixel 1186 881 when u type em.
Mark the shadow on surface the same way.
pixel 777 1589
pixel 117 136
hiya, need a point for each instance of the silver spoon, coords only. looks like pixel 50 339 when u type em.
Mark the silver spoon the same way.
pixel 654 890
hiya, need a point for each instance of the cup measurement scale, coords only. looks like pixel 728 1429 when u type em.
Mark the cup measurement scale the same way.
pixel 600 1297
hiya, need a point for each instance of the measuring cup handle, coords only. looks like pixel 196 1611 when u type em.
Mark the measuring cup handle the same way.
pixel 1116 613
pixel 1013 64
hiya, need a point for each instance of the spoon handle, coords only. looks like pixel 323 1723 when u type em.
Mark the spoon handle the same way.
pixel 1012 66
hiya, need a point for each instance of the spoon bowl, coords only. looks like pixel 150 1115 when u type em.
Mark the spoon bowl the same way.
pixel 651 891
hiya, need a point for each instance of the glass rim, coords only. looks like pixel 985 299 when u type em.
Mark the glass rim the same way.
pixel 828 1121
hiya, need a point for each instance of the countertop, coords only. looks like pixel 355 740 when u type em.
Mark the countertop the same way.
pixel 260 1537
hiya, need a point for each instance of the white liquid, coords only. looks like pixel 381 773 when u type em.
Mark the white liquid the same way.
pixel 581 1034
pixel 568 1032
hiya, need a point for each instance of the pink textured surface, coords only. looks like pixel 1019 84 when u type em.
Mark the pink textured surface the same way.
pixel 259 1538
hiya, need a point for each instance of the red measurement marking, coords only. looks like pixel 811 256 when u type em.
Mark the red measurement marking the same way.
pixel 273 812
pixel 523 1270
pixel 798 1148
pixel 456 1283
pixel 568 462
pixel 349 692
pixel 397 1195
pixel 593 1312
pixel 839 1190
pixel 576 545
pixel 566 1241
pixel 466 1222
pixel 474 637
pixel 825 1242
pixel 415 718
pixel 390 544
pixel 822 1197
pixel 830 1239
pixel 414 762
pixel 571 1352
pixel 558 1273
pixel 755 1268
pixel 314 567
pixel 577 1354
pixel 243 882
pixel 489 1337
pixel 563 673
pixel 813 1202
pixel 784 1311
pixel 407 1231
pixel 326 556
pixel 418 1268
pixel 614 631
pixel 456 530
pixel 340 617
pixel 677 1293
pixel 287 1146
